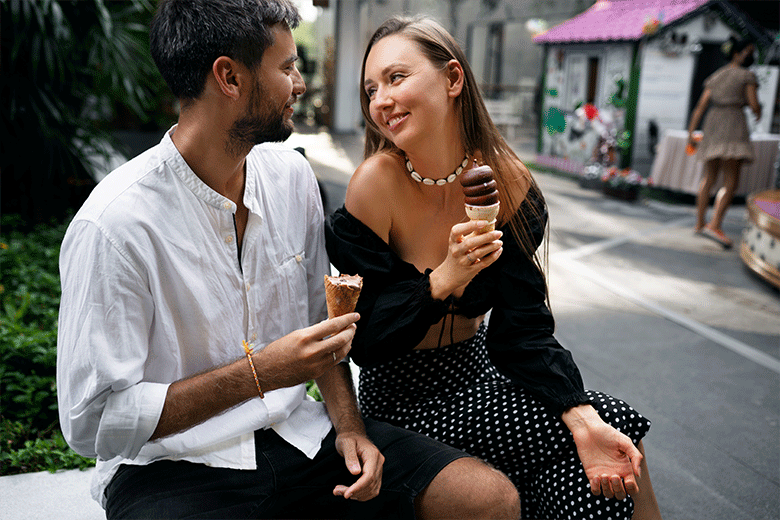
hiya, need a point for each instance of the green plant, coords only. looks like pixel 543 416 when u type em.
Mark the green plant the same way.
pixel 30 439
pixel 313 390
pixel 48 451
pixel 29 301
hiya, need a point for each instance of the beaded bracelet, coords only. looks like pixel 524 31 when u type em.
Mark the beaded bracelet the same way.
pixel 248 350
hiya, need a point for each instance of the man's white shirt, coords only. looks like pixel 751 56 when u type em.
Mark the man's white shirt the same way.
pixel 153 291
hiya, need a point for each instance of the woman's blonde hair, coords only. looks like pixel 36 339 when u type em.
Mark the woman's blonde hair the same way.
pixel 477 130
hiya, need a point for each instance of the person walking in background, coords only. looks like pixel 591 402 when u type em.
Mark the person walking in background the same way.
pixel 725 144
pixel 179 259
pixel 501 389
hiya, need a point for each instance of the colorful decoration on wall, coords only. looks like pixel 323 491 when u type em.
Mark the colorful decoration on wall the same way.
pixel 590 111
pixel 588 132
pixel 618 98
pixel 652 24
pixel 555 120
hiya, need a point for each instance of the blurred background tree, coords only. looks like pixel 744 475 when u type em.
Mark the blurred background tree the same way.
pixel 73 74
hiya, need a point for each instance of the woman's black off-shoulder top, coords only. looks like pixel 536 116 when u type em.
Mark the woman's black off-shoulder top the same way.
pixel 397 309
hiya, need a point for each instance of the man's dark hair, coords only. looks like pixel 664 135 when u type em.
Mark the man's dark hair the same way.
pixel 186 36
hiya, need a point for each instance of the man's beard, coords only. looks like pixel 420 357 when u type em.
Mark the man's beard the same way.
pixel 260 124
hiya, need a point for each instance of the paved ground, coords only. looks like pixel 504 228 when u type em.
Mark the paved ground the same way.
pixel 678 328
pixel 665 320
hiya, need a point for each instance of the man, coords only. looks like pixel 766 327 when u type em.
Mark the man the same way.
pixel 197 245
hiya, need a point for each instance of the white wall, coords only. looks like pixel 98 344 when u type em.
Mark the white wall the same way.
pixel 664 92
pixel 349 49
pixel 615 63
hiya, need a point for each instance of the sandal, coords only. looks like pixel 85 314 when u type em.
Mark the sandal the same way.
pixel 717 236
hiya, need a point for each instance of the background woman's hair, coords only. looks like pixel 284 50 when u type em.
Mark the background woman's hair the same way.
pixel 478 132
pixel 734 45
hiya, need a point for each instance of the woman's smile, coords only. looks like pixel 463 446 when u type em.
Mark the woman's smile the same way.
pixel 396 121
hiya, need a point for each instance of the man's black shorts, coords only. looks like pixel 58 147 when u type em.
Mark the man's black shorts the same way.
pixel 286 483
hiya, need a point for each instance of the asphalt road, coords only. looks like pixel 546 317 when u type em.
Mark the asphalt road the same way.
pixel 678 328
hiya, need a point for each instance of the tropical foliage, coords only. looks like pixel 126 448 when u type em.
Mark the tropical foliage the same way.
pixel 71 71
pixel 30 439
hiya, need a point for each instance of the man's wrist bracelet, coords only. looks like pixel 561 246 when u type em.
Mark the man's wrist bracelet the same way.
pixel 248 350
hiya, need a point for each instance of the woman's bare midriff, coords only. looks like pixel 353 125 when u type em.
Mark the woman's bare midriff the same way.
pixel 462 329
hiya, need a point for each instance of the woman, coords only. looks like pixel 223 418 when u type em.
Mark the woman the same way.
pixel 725 143
pixel 507 392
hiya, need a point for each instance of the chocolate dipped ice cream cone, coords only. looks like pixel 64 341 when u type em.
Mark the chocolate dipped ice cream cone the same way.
pixel 481 195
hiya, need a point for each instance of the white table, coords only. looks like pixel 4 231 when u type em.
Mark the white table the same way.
pixel 675 170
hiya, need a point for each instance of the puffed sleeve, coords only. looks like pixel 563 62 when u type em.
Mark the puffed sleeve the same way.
pixel 520 337
pixel 750 78
pixel 395 305
pixel 707 83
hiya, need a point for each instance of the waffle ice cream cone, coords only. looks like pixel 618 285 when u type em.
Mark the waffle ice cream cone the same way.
pixel 488 213
pixel 342 293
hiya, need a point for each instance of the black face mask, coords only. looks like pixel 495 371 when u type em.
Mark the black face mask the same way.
pixel 749 60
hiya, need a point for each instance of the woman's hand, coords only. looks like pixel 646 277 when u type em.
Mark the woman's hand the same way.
pixel 467 255
pixel 610 459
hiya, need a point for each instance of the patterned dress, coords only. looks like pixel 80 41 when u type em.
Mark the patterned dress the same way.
pixel 455 395
pixel 725 131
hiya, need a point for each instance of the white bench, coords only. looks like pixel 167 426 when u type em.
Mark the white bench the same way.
pixel 505 115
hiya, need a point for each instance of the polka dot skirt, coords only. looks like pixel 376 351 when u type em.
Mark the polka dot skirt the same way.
pixel 455 395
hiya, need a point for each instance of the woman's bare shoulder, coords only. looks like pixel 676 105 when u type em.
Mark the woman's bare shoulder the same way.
pixel 371 190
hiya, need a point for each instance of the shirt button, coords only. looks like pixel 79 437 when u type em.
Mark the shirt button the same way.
pixel 248 286
pixel 298 258
pixel 254 336
pixel 229 239
pixel 226 205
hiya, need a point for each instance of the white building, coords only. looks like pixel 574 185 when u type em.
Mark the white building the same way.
pixel 652 55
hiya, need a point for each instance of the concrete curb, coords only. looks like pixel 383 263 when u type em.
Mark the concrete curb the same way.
pixel 64 495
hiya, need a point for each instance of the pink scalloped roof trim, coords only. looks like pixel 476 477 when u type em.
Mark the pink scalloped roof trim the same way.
pixel 619 20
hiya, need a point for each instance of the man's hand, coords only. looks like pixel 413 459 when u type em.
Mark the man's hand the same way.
pixel 305 354
pixel 611 461
pixel 296 358
pixel 362 458
pixel 360 455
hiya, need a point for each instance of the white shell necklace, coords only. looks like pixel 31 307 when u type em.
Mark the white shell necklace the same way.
pixel 438 182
